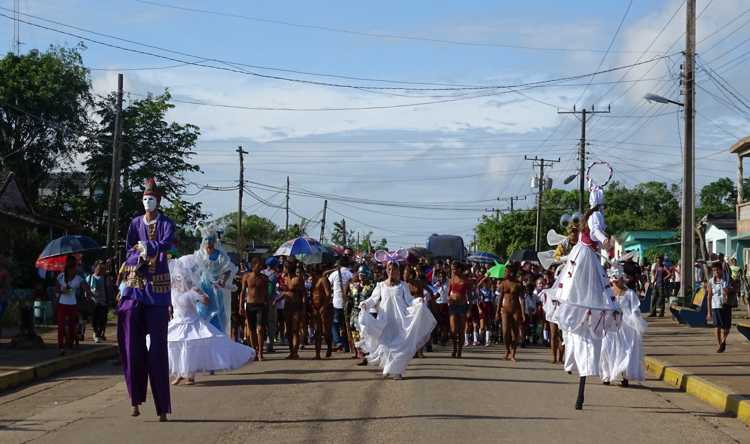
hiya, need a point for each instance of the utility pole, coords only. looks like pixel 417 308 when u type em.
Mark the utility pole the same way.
pixel 287 205
pixel 113 210
pixel 688 172
pixel 511 209
pixel 540 183
pixel 582 152
pixel 323 221
pixel 343 221
pixel 241 188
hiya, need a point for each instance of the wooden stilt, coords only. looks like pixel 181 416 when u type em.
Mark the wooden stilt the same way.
pixel 581 389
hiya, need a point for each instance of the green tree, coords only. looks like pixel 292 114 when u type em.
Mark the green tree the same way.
pixel 151 147
pixel 339 235
pixel 255 229
pixel 720 196
pixel 44 102
pixel 647 206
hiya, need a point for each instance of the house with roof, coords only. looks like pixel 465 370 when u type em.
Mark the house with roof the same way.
pixel 639 242
pixel 741 149
pixel 16 215
pixel 720 233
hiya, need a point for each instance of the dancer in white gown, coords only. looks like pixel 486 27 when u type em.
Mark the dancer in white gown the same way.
pixel 195 345
pixel 402 324
pixel 586 304
pixel 622 351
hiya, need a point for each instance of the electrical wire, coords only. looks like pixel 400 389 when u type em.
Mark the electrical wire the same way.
pixel 371 34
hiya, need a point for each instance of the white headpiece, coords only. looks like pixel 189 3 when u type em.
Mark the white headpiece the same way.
pixel 210 234
pixel 616 271
pixel 596 191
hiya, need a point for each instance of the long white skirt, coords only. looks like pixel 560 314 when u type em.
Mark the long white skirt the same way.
pixel 585 295
pixel 582 354
pixel 394 337
pixel 622 354
pixel 195 346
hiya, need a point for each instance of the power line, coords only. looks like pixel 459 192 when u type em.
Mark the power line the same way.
pixel 609 48
pixel 387 36
pixel 290 79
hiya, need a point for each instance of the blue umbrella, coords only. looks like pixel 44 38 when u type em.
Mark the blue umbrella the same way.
pixel 306 249
pixel 69 245
pixel 484 258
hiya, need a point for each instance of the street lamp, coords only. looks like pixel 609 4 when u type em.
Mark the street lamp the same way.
pixel 570 178
pixel 687 262
pixel 661 99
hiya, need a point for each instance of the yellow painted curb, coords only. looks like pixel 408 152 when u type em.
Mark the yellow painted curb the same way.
pixel 53 366
pixel 16 377
pixel 711 394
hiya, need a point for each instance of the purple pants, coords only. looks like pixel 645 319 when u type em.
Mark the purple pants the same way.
pixel 135 320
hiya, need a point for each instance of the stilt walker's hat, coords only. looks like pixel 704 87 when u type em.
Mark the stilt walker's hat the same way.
pixel 596 191
pixel 150 189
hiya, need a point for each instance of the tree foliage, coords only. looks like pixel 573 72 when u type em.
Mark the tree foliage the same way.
pixel 647 206
pixel 151 147
pixel 44 102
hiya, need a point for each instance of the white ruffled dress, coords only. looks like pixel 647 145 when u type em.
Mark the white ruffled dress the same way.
pixel 622 351
pixel 196 346
pixel 402 326
pixel 586 305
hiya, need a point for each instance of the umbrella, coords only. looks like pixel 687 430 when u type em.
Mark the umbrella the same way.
pixel 525 255
pixel 497 272
pixel 55 263
pixel 306 249
pixel 63 246
pixel 483 258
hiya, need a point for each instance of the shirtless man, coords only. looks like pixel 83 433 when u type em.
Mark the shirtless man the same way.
pixel 321 311
pixel 294 307
pixel 254 287
pixel 510 312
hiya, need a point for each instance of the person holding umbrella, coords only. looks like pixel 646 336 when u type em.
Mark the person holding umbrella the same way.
pixel 67 286
pixel 145 305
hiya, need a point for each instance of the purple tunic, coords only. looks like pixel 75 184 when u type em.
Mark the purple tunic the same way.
pixel 147 280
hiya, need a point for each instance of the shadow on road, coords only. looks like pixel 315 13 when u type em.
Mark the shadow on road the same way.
pixel 440 417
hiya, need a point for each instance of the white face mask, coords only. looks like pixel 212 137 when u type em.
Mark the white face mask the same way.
pixel 149 203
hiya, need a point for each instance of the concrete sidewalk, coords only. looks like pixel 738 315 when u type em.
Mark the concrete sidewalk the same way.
pixel 686 358
pixel 19 367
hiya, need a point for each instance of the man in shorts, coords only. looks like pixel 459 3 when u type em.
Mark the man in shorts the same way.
pixel 254 288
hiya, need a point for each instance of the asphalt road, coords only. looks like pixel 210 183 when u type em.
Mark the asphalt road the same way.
pixel 476 399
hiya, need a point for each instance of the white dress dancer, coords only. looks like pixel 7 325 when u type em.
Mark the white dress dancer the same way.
pixel 586 305
pixel 196 346
pixel 622 351
pixel 403 324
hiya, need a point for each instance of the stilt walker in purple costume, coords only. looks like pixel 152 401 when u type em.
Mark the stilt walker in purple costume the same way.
pixel 145 305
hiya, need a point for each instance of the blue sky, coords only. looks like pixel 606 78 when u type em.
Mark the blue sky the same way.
pixel 463 153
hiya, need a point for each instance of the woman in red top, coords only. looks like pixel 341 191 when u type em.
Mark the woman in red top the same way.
pixel 460 286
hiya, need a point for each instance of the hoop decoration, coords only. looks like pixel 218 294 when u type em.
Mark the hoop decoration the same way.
pixel 385 257
pixel 591 179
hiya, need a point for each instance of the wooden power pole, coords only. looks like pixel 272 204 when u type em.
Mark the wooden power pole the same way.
pixel 541 163
pixel 113 210
pixel 287 205
pixel 323 221
pixel 688 172
pixel 582 152
pixel 241 189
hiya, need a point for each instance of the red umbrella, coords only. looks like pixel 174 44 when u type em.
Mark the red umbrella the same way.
pixel 55 263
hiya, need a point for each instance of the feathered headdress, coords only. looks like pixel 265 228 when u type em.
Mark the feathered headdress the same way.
pixel 385 257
